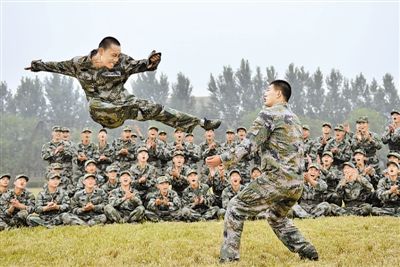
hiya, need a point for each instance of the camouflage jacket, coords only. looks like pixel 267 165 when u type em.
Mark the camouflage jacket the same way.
pixel 277 135
pixel 217 183
pixel 64 156
pixel 193 155
pixel 228 194
pixel 108 187
pixel 26 198
pixel 157 153
pixel 91 151
pixel 332 177
pixel 369 147
pixel 178 183
pixel 205 151
pixel 116 199
pixel 389 200
pixel 105 84
pixel 392 139
pixel 189 195
pixel 314 195
pixel 343 154
pixel 318 148
pixel 355 192
pixel 190 152
pixel 309 150
pixel 126 144
pixel 98 198
pixel 173 200
pixel 148 171
pixel 60 197
pixel 108 151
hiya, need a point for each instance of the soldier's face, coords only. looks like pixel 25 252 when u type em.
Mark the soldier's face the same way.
pixel 347 170
pixel 271 96
pixel 178 136
pixel 178 160
pixel 4 182
pixel 209 134
pixel 393 158
pixel 20 183
pixel 230 137
pixel 109 56
pixel 89 182
pixel 241 134
pixel 55 182
pixel 102 136
pixel 66 136
pixel 339 135
pixel 162 137
pixel 327 160
pixel 326 129
pixel 256 173
pixel 313 173
pixel 163 187
pixel 359 157
pixel 91 168
pixel 125 179
pixel 143 156
pixel 85 137
pixel 392 170
pixel 235 178
pixel 193 179
pixel 396 117
pixel 152 133
pixel 112 175
pixel 189 139
pixel 306 133
pixel 55 135
pixel 126 135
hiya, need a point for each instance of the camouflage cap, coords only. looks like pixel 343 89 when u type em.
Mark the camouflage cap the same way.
pixel 5 175
pixel 241 128
pixel 362 119
pixel 103 130
pixel 313 165
pixel 162 132
pixel 393 154
pixel 134 134
pixel 19 176
pixel 112 168
pixel 52 175
pixel 395 111
pixel 56 128
pixel 87 175
pixel 339 127
pixel 327 124
pixel 189 134
pixel 306 127
pixel 191 171
pixel 86 129
pixel 255 168
pixel 230 131
pixel 348 163
pixel 152 127
pixel 56 166
pixel 141 149
pixel 65 130
pixel 233 171
pixel 125 172
pixel 127 129
pixel 163 179
pixel 178 153
pixel 90 161
pixel 327 153
pixel 392 163
pixel 359 151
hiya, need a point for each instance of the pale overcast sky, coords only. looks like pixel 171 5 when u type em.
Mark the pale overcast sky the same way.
pixel 199 38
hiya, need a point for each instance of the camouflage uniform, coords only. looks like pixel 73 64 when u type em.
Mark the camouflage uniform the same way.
pixel 277 135
pixel 171 212
pixel 370 148
pixel 343 154
pixel 203 211
pixel 147 171
pixel 392 139
pixel 98 198
pixel 332 177
pixel 108 151
pixel 63 157
pixel 178 184
pixel 157 154
pixel 319 148
pixel 91 151
pixel 54 217
pixel 125 161
pixel 391 201
pixel 122 210
pixel 109 102
pixel 108 187
pixel 18 217
pixel 218 184
pixel 193 155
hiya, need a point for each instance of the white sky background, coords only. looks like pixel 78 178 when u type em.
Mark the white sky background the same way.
pixel 200 38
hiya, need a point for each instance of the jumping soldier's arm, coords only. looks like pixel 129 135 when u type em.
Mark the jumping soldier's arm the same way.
pixel 133 66
pixel 68 67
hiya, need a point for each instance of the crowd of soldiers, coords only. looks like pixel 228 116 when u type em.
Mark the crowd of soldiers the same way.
pixel 136 178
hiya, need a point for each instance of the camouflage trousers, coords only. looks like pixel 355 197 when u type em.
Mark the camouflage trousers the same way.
pixel 321 209
pixel 16 220
pixel 52 220
pixel 162 215
pixel 386 211
pixel 113 115
pixel 262 195
pixel 122 216
pixel 193 215
pixel 93 218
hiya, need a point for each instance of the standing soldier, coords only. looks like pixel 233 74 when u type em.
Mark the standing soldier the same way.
pixel 194 151
pixel 230 141
pixel 367 141
pixel 125 149
pixel 322 140
pixel 392 133
pixel 112 179
pixel 125 204
pixel 88 203
pixel 164 204
pixel 156 149
pixel 52 206
pixel 17 204
pixel 339 147
pixel 85 150
pixel 70 147
pixel 277 135
pixel 106 152
pixel 309 144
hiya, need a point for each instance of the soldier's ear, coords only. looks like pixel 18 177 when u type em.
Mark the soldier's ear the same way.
pixel 101 51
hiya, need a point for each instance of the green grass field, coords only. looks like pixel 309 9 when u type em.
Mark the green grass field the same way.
pixel 341 241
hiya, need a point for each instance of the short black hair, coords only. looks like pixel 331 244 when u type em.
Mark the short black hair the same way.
pixel 108 41
pixel 284 87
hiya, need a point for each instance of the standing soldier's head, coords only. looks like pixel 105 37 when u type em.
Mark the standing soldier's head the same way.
pixel 362 124
pixel 142 155
pixel 278 92
pixel 241 133
pixel 306 131
pixel 189 138
pixel 86 136
pixel 339 133
pixel 179 135
pixel 326 128
pixel 5 181
pixel 107 55
pixel 209 135
pixel 102 136
pixel 162 135
pixel 126 133
pixel 56 134
pixel 230 136
pixel 66 133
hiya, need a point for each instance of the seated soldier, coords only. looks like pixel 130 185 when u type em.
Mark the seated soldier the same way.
pixel 177 172
pixel 65 183
pixel 217 180
pixel 143 174
pixel 255 173
pixel 91 168
pixel 365 170
pixel 17 204
pixel 231 190
pixel 89 202
pixel 4 181
pixel 389 192
pixel 125 204
pixel 331 176
pixel 354 189
pixel 112 179
pixel 197 200
pixel 52 206
pixel 312 204
pixel 163 204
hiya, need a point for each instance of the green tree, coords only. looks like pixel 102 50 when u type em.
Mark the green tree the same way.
pixel 30 100
pixel 315 95
pixel 147 86
pixel 181 96
pixel 333 108
pixel 391 92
